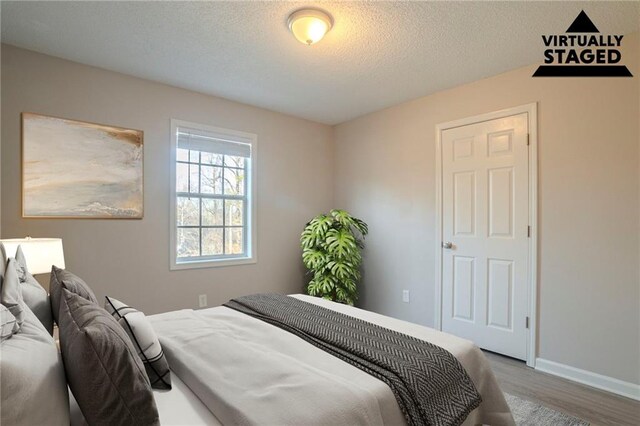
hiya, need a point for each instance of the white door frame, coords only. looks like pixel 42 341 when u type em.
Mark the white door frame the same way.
pixel 532 281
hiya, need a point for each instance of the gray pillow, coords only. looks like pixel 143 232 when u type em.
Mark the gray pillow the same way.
pixel 63 279
pixel 10 295
pixel 8 324
pixel 33 294
pixel 144 339
pixel 21 264
pixel 3 262
pixel 33 387
pixel 103 369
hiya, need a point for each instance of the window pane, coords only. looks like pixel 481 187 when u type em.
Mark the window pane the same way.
pixel 188 211
pixel 188 242
pixel 211 212
pixel 211 180
pixel 232 161
pixel 182 155
pixel 182 177
pixel 210 158
pixel 233 212
pixel 194 170
pixel 233 241
pixel 233 181
pixel 211 202
pixel 211 241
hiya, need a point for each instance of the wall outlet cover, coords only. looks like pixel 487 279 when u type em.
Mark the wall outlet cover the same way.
pixel 202 301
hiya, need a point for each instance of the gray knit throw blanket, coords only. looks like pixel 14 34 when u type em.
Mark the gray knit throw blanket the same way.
pixel 429 383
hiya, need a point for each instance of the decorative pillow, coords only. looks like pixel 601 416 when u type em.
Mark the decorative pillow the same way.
pixel 33 294
pixel 63 279
pixel 3 262
pixel 11 296
pixel 104 372
pixel 8 324
pixel 33 386
pixel 21 264
pixel 144 339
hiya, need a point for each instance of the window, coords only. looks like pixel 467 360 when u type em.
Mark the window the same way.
pixel 212 209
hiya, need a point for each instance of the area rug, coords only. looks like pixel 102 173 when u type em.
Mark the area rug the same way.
pixel 527 413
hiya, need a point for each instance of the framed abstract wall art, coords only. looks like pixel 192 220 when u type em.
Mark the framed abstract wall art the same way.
pixel 75 169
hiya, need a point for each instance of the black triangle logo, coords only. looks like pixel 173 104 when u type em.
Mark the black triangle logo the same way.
pixel 582 24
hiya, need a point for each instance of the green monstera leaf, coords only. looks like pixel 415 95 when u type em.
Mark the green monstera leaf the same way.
pixel 314 259
pixel 341 242
pixel 331 245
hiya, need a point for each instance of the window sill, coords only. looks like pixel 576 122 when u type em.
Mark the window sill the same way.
pixel 218 263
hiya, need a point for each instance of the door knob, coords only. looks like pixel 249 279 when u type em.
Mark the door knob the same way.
pixel 447 245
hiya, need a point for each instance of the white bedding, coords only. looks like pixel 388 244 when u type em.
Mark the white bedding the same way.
pixel 250 372
pixel 181 407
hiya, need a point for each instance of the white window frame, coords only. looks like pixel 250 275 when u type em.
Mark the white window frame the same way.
pixel 251 255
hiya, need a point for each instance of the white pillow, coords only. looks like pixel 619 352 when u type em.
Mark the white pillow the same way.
pixel 144 339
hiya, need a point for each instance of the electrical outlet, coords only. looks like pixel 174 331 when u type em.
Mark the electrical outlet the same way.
pixel 405 296
pixel 202 301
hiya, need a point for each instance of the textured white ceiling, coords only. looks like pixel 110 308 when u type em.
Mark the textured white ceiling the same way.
pixel 377 55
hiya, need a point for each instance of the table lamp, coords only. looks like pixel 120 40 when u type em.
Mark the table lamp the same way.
pixel 40 253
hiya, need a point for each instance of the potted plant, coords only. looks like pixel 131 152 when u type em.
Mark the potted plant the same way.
pixel 331 245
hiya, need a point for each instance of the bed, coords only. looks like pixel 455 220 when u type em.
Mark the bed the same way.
pixel 245 371
pixel 260 359
pixel 229 368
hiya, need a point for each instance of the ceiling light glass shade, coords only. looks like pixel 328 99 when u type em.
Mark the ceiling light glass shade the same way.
pixel 309 25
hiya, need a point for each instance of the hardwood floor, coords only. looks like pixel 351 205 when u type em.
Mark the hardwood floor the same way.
pixel 595 406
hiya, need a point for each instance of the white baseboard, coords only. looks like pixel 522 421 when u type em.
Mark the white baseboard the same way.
pixel 609 384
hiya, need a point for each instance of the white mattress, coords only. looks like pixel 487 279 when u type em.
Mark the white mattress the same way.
pixel 179 406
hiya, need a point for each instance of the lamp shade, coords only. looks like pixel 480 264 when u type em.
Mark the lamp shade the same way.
pixel 40 253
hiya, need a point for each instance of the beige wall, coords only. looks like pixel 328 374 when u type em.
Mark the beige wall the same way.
pixel 589 291
pixel 129 259
pixel 589 195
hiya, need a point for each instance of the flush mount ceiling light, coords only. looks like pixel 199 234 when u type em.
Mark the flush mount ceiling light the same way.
pixel 309 25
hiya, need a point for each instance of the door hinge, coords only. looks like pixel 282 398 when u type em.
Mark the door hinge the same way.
pixel 527 322
pixel 527 139
pixel 529 231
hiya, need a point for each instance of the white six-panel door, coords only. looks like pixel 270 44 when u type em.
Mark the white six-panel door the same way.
pixel 485 211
